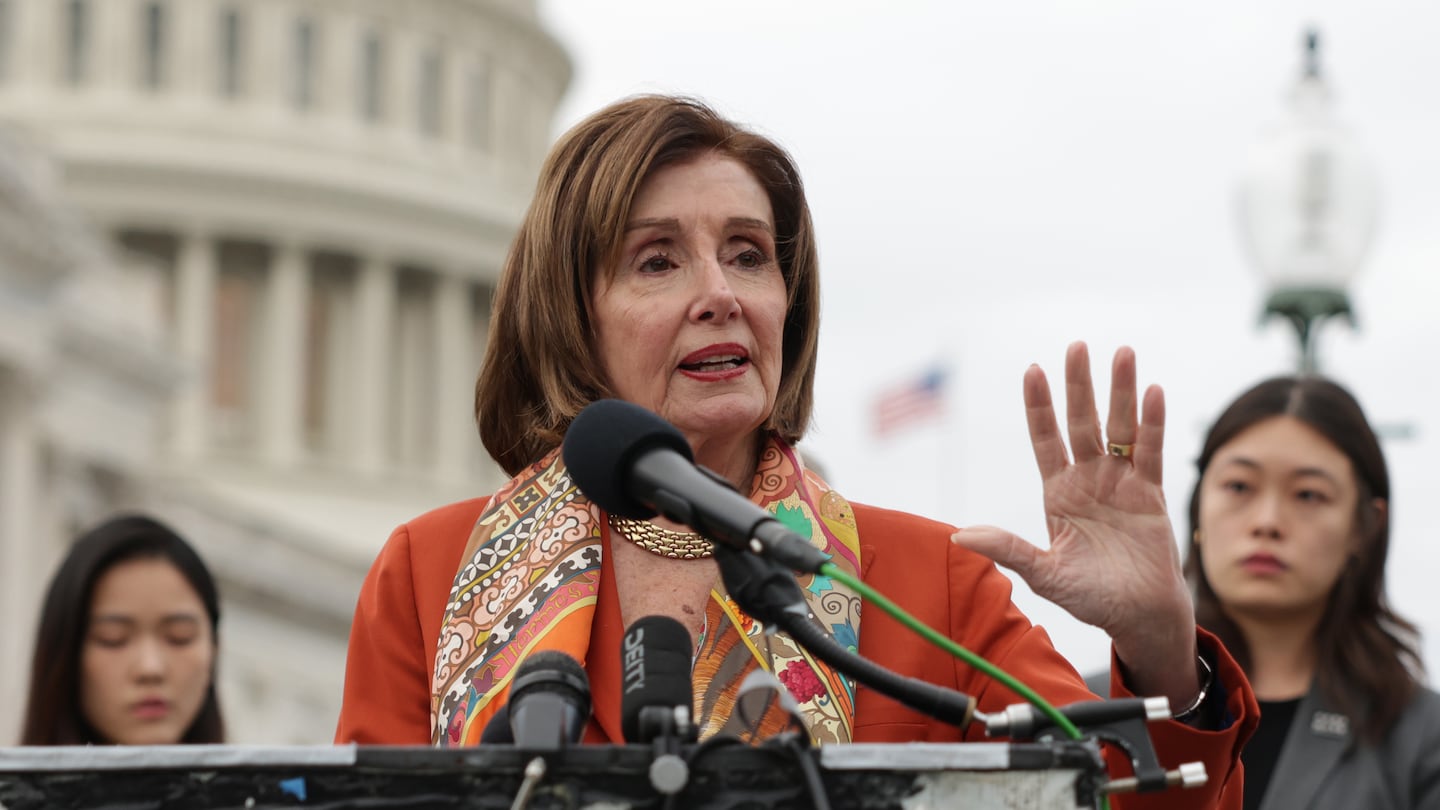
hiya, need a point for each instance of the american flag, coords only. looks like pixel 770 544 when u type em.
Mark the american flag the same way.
pixel 915 401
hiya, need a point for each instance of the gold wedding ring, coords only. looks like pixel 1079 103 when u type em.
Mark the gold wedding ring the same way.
pixel 1121 450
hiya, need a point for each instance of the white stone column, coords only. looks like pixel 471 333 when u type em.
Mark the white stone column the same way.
pixel 402 71
pixel 34 43
pixel 20 537
pixel 114 42
pixel 194 316
pixel 279 391
pixel 455 379
pixel 194 30
pixel 338 37
pixel 269 50
pixel 509 129
pixel 372 345
pixel 454 99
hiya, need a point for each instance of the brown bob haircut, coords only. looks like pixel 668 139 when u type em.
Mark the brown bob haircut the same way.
pixel 540 365
pixel 1367 662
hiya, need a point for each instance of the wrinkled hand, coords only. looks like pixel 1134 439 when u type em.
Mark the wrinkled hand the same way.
pixel 1112 560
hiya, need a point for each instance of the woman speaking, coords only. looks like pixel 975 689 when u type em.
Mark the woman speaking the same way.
pixel 668 259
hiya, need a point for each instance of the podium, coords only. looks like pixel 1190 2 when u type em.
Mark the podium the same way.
pixel 1013 776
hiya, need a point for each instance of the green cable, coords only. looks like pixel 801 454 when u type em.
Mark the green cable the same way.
pixel 1061 721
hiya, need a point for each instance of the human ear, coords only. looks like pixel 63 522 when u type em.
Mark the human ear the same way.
pixel 1381 514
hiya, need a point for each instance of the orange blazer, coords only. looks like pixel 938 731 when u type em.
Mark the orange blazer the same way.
pixel 911 560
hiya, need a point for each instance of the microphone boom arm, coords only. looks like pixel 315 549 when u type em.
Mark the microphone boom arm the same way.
pixel 766 590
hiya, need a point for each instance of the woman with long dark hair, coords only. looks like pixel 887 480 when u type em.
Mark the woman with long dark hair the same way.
pixel 1290 529
pixel 126 649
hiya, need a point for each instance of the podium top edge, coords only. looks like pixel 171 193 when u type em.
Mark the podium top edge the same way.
pixel 129 757
pixel 855 756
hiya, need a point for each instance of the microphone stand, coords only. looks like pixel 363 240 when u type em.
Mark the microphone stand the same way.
pixel 669 731
pixel 765 589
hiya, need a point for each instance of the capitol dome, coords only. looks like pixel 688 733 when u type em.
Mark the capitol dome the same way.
pixel 308 203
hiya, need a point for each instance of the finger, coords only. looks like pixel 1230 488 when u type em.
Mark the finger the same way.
pixel 1004 548
pixel 1045 437
pixel 1150 441
pixel 1080 414
pixel 1120 427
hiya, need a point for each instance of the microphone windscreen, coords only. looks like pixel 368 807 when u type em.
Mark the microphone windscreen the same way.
pixel 601 447
pixel 551 671
pixel 655 661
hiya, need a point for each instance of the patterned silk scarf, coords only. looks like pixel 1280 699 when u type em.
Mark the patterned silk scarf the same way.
pixel 530 579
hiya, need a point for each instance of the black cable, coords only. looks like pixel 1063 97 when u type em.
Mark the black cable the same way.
pixel 819 799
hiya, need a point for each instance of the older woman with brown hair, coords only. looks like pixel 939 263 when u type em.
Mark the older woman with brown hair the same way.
pixel 668 259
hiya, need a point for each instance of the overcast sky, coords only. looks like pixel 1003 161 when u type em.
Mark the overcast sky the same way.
pixel 991 181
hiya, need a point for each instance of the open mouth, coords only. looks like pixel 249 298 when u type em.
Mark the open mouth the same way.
pixel 725 362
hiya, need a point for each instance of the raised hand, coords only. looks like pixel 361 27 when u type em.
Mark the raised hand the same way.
pixel 1112 560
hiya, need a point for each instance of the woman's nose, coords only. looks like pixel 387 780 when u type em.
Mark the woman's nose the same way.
pixel 1266 520
pixel 715 300
pixel 150 659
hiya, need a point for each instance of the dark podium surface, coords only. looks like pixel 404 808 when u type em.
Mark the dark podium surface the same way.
pixel 860 776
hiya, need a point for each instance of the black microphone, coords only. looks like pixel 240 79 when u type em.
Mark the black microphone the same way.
pixel 497 731
pixel 549 702
pixel 657 692
pixel 635 464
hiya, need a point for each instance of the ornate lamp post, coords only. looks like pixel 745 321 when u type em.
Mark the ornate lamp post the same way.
pixel 1308 202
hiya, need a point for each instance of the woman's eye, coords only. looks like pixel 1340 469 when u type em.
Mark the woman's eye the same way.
pixel 1312 496
pixel 112 642
pixel 752 259
pixel 180 639
pixel 1236 487
pixel 657 263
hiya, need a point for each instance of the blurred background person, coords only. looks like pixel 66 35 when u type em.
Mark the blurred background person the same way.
pixel 126 649
pixel 1290 526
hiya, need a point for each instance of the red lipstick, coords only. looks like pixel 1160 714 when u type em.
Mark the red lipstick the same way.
pixel 715 363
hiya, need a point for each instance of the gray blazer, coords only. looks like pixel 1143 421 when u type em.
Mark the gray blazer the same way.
pixel 1319 769
pixel 1322 767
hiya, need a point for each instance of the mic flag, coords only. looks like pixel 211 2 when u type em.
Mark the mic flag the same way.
pixel 657 694
pixel 549 703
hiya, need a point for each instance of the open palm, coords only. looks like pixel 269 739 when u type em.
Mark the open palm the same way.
pixel 1112 559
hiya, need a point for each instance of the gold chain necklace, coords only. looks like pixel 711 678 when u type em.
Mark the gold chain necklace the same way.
pixel 662 541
